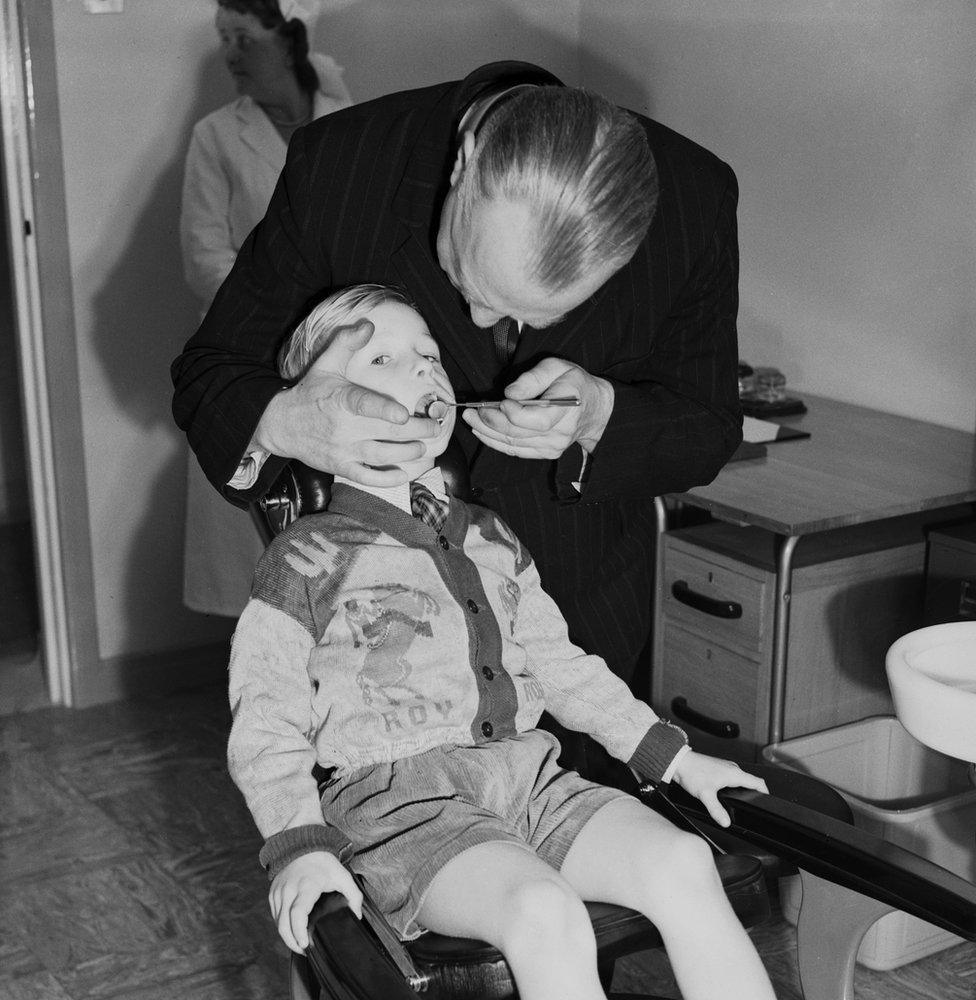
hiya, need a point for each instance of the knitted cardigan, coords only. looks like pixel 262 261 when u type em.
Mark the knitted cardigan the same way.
pixel 369 638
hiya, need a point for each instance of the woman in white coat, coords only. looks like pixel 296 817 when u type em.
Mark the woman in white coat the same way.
pixel 235 156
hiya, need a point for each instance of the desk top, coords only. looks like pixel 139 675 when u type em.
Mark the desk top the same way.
pixel 858 465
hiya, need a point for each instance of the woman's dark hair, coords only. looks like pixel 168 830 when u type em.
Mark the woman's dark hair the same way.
pixel 293 32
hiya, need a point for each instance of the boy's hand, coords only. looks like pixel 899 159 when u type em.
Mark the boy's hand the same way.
pixel 704 777
pixel 297 887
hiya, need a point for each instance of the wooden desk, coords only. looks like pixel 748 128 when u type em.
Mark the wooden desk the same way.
pixel 858 466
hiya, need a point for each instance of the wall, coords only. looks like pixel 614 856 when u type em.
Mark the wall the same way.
pixel 130 86
pixel 852 129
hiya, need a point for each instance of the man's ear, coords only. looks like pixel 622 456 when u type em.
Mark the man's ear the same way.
pixel 464 153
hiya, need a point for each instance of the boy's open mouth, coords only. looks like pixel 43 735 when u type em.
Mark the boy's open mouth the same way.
pixel 432 406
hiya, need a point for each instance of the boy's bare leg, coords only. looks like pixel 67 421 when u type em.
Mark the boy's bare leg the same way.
pixel 629 855
pixel 505 895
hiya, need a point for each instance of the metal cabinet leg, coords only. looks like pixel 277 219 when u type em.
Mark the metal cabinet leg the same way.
pixel 657 605
pixel 831 924
pixel 785 547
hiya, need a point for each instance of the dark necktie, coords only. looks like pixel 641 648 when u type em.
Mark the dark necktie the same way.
pixel 505 334
pixel 427 507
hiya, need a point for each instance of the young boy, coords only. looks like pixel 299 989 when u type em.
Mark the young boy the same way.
pixel 414 657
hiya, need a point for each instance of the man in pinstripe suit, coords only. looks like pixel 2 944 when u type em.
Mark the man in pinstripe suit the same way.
pixel 638 320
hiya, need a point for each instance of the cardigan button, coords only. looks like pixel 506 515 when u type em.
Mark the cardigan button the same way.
pixel 488 672
pixel 472 607
pixel 443 542
pixel 488 729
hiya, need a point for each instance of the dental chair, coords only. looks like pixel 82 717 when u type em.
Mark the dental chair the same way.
pixel 849 878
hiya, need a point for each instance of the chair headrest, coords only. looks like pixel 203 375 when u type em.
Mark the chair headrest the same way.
pixel 301 490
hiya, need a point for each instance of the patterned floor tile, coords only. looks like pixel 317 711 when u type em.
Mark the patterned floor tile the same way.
pixel 45 827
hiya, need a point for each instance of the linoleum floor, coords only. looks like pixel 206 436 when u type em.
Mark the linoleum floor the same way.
pixel 128 870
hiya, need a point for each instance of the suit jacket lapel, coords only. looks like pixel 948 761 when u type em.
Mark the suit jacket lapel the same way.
pixel 571 339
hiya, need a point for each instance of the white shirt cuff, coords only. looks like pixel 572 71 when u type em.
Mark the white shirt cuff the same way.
pixel 248 470
pixel 673 766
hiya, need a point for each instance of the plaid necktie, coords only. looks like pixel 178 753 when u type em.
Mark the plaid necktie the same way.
pixel 427 507
pixel 505 334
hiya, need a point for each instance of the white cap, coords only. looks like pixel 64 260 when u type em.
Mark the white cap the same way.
pixel 304 10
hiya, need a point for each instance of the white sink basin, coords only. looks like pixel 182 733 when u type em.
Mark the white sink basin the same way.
pixel 932 673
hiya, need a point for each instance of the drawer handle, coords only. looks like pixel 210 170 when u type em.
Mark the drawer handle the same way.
pixel 967 599
pixel 700 602
pixel 716 727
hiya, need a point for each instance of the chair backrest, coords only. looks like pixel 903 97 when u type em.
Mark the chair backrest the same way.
pixel 302 490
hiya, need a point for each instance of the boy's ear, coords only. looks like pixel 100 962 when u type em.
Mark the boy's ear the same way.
pixel 465 149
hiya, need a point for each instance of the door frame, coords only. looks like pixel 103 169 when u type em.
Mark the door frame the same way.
pixel 33 177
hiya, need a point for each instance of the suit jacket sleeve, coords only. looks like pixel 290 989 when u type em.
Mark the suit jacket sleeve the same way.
pixel 676 416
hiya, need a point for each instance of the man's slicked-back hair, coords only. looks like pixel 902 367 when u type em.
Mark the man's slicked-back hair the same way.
pixel 583 168
pixel 314 334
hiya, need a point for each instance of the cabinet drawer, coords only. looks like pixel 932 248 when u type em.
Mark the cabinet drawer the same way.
pixel 715 683
pixel 710 598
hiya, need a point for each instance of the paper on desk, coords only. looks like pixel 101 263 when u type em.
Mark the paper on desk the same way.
pixel 757 431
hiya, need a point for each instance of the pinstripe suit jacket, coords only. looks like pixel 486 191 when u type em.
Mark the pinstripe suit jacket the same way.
pixel 359 200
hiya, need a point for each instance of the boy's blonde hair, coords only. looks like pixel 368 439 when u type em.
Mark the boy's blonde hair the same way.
pixel 314 334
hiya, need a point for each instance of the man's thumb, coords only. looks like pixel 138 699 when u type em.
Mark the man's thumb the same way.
pixel 345 342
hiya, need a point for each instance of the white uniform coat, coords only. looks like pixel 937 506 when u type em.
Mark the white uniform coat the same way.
pixel 232 166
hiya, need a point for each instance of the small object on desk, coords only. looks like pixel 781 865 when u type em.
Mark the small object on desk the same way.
pixel 788 406
pixel 769 384
pixel 762 392
pixel 747 380
pixel 756 431
pixel 748 449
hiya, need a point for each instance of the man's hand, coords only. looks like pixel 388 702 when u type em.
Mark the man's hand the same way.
pixel 546 431
pixel 337 426
pixel 704 777
pixel 297 887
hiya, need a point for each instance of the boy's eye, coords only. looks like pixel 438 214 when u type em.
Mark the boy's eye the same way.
pixel 432 358
pixel 380 359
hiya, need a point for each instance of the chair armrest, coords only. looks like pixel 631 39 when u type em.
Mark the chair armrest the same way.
pixel 359 958
pixel 838 852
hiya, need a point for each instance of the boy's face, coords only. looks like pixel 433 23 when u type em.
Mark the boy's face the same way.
pixel 402 360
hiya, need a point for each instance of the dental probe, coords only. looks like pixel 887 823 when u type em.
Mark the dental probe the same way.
pixel 437 409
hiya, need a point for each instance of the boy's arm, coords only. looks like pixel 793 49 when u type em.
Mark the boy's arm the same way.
pixel 584 694
pixel 270 757
pixel 268 753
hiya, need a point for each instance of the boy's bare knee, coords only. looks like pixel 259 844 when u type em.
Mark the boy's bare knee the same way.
pixel 546 913
pixel 692 856
pixel 682 868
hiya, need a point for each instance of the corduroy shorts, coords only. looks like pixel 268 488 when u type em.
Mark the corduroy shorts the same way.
pixel 406 819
